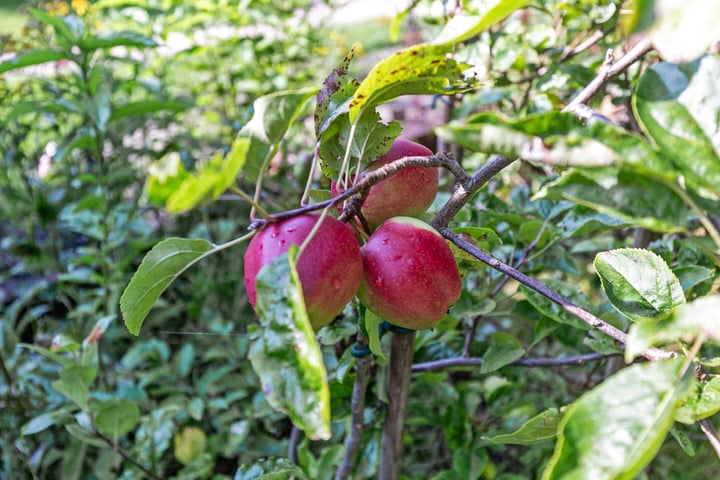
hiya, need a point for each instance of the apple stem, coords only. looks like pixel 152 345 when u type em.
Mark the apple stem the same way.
pixel 266 216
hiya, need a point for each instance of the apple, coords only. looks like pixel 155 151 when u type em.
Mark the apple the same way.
pixel 410 276
pixel 329 269
pixel 407 193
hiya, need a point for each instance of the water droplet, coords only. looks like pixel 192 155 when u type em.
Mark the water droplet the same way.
pixel 282 241
pixel 274 234
pixel 379 282
pixel 290 229
pixel 336 284
pixel 385 241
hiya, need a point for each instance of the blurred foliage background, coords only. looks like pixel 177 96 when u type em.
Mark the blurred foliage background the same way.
pixel 142 86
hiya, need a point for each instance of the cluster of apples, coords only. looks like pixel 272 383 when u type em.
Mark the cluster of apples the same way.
pixel 405 272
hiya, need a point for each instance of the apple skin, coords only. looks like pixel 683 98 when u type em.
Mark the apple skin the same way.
pixel 330 268
pixel 407 193
pixel 410 275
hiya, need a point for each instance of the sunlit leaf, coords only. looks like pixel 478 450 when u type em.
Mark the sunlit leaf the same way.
pixel 117 39
pixel 145 107
pixel 284 352
pixel 683 31
pixel 420 69
pixel 697 319
pixel 463 27
pixel 614 430
pixel 638 282
pixel 163 264
pixel 703 402
pixel 189 444
pixel 372 327
pixel 678 108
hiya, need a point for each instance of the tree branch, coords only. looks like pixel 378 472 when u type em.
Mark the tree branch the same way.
pixel 466 188
pixel 565 304
pixel 357 407
pixel 398 383
pixel 446 363
pixel 608 70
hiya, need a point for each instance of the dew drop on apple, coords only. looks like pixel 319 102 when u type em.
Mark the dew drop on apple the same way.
pixel 274 234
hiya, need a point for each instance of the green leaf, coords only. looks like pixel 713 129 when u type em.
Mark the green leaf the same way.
pixel 285 353
pixel 420 69
pixel 613 193
pixel 638 283
pixel 74 383
pixel 116 416
pixel 677 107
pixel 34 57
pixel 463 27
pixel 614 430
pixel 145 107
pixel 189 444
pixel 684 441
pixel 683 31
pixel 270 469
pixel 272 116
pixel 704 402
pixel 697 319
pixel 38 424
pixel 372 327
pixel 118 39
pixel 57 23
pixel 540 428
pixel 503 350
pixel 163 264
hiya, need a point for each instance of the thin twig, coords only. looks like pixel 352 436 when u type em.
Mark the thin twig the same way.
pixel 565 304
pixel 372 178
pixel 126 456
pixel 357 407
pixel 446 363
pixel 293 441
pixel 709 430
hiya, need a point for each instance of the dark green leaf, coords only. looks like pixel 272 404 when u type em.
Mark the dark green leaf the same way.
pixel 285 353
pixel 704 402
pixel 540 428
pixel 503 350
pixel 614 430
pixel 615 193
pixel 163 264
pixel 372 327
pixel 271 469
pixel 38 424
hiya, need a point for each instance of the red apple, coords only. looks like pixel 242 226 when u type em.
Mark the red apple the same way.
pixel 330 267
pixel 407 193
pixel 410 275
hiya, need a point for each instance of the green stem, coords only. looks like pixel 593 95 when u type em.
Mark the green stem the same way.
pixel 704 220
pixel 255 206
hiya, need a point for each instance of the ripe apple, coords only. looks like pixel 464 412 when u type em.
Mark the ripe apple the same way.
pixel 410 275
pixel 407 193
pixel 330 267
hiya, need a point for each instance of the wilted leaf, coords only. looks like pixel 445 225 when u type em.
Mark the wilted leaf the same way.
pixel 189 444
pixel 284 352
